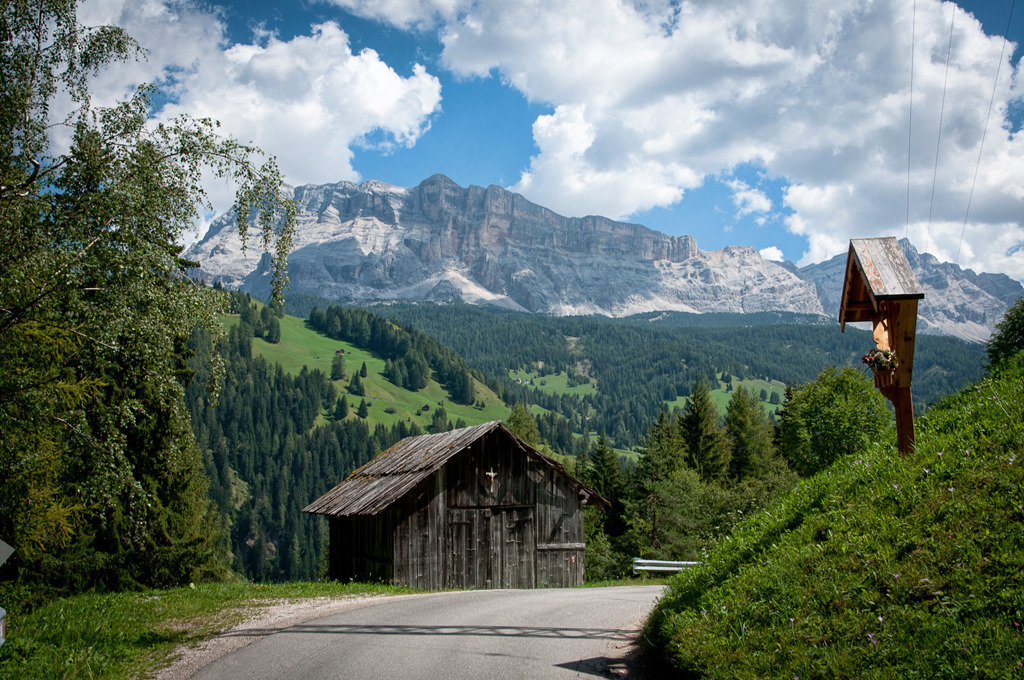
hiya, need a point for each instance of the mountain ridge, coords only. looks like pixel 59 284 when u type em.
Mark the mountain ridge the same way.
pixel 374 242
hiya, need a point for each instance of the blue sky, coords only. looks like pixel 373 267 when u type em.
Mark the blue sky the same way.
pixel 775 124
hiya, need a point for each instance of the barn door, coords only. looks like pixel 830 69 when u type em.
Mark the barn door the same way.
pixel 518 546
pixel 491 548
pixel 469 548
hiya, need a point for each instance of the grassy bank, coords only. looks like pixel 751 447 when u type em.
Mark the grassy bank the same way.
pixel 880 567
pixel 126 635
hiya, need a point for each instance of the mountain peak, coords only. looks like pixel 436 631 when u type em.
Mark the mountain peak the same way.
pixel 373 242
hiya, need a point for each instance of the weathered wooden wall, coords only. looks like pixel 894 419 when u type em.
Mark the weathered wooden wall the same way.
pixel 492 517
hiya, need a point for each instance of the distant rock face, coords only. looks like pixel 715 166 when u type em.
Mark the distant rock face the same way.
pixel 439 242
pixel 956 301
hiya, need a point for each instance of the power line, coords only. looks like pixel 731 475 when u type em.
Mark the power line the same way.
pixel 938 137
pixel 910 115
pixel 984 131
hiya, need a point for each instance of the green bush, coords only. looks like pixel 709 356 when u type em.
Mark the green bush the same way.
pixel 839 413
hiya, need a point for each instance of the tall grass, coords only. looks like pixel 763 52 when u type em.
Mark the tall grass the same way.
pixel 880 567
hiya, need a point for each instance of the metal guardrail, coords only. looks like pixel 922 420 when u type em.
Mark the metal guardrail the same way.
pixel 664 566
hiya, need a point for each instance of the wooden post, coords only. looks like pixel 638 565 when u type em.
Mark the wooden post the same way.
pixel 881 288
pixel 901 316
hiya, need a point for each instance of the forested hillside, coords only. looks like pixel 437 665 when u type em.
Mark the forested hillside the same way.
pixel 641 364
pixel 279 434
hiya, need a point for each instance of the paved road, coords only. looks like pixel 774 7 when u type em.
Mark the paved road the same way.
pixel 529 634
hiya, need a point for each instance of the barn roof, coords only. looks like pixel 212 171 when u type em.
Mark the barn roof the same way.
pixel 395 472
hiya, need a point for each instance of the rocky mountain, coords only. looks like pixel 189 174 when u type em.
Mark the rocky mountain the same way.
pixel 373 242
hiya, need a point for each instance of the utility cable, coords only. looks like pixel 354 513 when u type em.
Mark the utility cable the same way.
pixel 984 131
pixel 910 115
pixel 938 137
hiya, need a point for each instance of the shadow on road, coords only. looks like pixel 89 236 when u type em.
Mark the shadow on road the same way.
pixel 481 631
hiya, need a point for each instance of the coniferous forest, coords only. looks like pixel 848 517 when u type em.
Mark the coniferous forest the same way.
pixel 639 364
pixel 273 441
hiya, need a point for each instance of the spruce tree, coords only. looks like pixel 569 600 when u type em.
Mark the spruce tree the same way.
pixel 1008 340
pixel 273 334
pixel 748 432
pixel 521 423
pixel 605 470
pixel 439 421
pixel 661 455
pixel 707 449
pixel 605 476
pixel 338 366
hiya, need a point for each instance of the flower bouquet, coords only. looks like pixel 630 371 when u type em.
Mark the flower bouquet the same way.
pixel 883 362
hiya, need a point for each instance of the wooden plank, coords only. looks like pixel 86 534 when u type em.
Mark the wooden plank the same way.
pixel 885 269
pixel 517 548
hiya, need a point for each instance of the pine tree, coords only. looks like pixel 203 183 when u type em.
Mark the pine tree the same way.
pixel 706 447
pixel 362 370
pixel 341 409
pixel 749 433
pixel 355 386
pixel 338 366
pixel 364 410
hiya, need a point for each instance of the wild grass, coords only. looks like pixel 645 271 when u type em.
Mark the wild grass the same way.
pixel 879 567
pixel 125 635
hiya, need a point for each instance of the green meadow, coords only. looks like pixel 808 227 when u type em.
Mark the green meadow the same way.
pixel 301 347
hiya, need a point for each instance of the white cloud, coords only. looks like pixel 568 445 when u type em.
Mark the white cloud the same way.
pixel 772 253
pixel 748 201
pixel 650 98
pixel 308 100
pixel 646 100
pixel 417 14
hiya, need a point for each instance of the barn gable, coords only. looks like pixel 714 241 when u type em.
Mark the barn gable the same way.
pixel 472 508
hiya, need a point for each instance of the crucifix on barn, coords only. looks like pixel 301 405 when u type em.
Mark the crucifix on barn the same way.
pixel 880 287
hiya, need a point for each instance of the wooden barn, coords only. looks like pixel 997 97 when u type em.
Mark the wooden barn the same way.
pixel 470 508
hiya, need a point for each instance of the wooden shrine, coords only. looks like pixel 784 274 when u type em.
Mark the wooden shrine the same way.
pixel 880 287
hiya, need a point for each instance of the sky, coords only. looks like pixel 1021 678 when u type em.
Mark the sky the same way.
pixel 786 125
